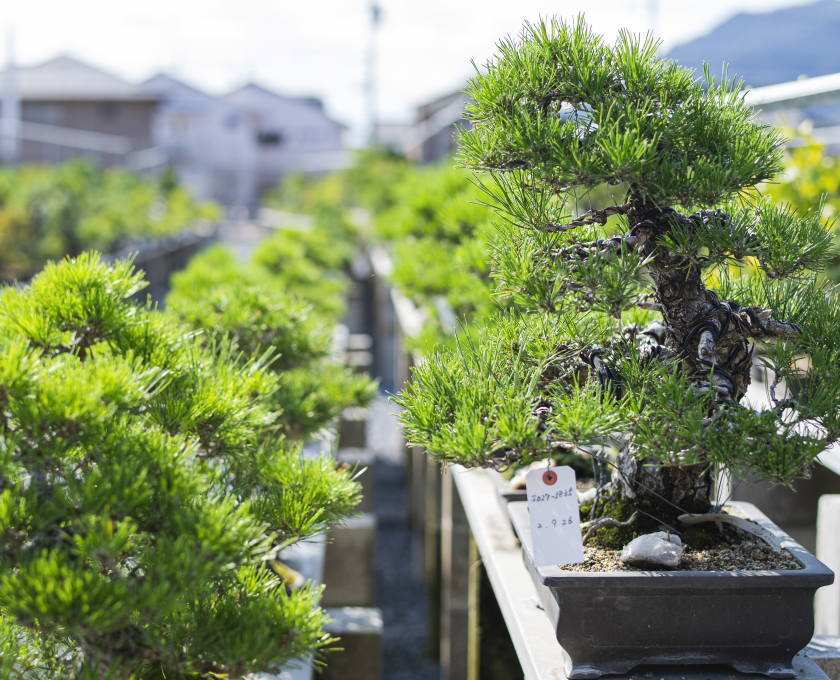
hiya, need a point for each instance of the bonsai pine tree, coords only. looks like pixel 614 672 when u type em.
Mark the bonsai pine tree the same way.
pixel 637 324
pixel 140 497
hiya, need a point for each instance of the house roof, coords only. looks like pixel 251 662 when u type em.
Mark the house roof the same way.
pixel 67 79
pixel 253 87
pixel 176 94
pixel 428 109
pixel 820 91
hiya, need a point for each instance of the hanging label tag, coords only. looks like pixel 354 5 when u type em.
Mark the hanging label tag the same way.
pixel 750 527
pixel 555 518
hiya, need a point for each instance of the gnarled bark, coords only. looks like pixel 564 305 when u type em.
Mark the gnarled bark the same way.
pixel 645 483
pixel 712 339
pixel 710 333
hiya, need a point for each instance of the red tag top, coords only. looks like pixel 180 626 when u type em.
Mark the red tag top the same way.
pixel 549 477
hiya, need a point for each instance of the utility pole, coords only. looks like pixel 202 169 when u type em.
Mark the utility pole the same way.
pixel 653 17
pixel 10 115
pixel 370 79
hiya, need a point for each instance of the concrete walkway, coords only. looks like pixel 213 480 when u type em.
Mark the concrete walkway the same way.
pixel 402 599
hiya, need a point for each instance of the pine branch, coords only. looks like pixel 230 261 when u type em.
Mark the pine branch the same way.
pixel 651 306
pixel 757 323
pixel 601 246
pixel 593 216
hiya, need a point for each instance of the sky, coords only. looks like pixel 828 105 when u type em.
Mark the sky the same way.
pixel 319 47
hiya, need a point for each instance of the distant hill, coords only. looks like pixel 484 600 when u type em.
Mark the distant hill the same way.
pixel 769 48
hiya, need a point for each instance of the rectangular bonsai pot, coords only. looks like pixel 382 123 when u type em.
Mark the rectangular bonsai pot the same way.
pixel 609 622
pixel 507 494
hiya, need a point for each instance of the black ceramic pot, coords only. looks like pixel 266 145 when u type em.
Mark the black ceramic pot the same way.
pixel 609 622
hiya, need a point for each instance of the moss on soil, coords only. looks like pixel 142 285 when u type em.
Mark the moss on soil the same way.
pixel 700 539
pixel 615 538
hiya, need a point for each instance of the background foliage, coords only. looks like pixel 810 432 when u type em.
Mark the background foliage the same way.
pixel 144 486
pixel 810 181
pixel 427 219
pixel 267 304
pixel 47 212
pixel 437 226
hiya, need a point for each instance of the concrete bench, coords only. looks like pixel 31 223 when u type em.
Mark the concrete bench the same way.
pixel 363 458
pixel 350 564
pixel 359 630
pixel 824 651
pixel 827 601
pixel 352 428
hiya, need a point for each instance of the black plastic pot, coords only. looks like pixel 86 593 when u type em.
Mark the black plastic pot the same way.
pixel 609 622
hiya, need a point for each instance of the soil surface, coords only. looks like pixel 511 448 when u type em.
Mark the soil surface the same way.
pixel 746 556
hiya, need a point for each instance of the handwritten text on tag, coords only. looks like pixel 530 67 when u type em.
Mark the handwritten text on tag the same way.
pixel 555 518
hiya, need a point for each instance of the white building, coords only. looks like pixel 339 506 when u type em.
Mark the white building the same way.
pixel 64 109
pixel 292 134
pixel 210 143
pixel 229 149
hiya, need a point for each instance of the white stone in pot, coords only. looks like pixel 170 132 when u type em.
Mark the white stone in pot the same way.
pixel 587 496
pixel 667 536
pixel 653 551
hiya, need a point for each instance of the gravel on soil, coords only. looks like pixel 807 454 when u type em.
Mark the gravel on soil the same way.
pixel 747 556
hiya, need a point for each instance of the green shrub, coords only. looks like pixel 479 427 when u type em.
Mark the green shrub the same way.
pixel 427 218
pixel 369 184
pixel 256 311
pixel 437 232
pixel 810 181
pixel 811 178
pixel 47 212
pixel 142 490
pixel 311 265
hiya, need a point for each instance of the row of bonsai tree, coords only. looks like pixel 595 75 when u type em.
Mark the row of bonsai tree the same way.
pixel 150 475
pixel 152 469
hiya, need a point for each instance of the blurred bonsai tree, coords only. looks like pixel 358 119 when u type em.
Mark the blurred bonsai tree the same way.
pixel 47 212
pixel 256 310
pixel 810 181
pixel 634 346
pixel 811 178
pixel 311 265
pixel 437 233
pixel 140 492
pixel 368 184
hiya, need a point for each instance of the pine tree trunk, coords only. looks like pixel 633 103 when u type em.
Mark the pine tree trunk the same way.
pixel 642 482
pixel 685 303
